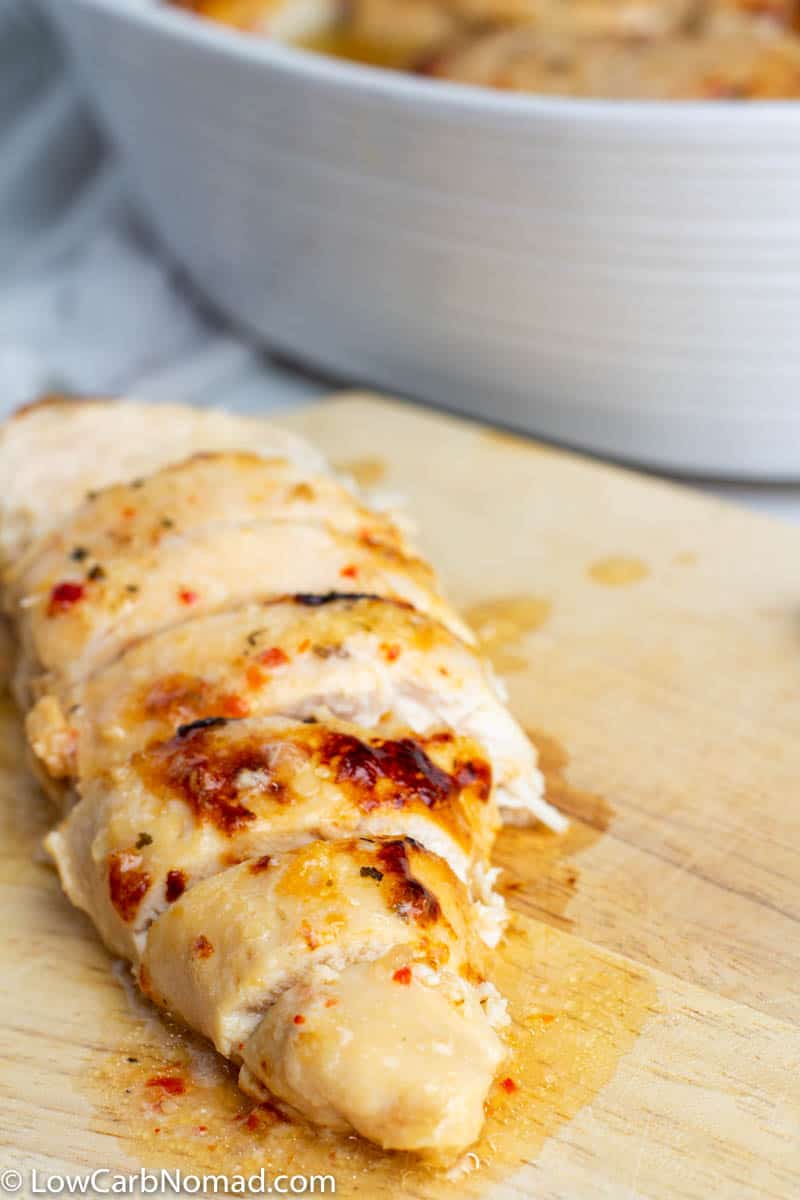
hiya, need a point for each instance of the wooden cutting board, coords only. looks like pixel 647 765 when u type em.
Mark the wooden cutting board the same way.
pixel 650 640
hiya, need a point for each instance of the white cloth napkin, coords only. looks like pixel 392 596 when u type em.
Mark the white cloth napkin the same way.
pixel 86 303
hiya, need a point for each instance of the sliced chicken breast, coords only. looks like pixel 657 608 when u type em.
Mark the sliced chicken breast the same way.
pixel 72 625
pixel 199 493
pixel 227 949
pixel 280 754
pixel 223 791
pixel 358 658
pixel 55 451
pixel 353 1050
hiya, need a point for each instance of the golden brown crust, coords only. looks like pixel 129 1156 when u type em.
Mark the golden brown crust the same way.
pixel 204 764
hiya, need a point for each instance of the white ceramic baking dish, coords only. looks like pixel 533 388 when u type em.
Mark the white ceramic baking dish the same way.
pixel 621 276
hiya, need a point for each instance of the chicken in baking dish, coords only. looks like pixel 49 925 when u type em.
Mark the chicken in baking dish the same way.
pixel 598 49
pixel 280 763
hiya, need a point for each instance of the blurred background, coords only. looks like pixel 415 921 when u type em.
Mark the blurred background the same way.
pixel 91 302
pixel 87 302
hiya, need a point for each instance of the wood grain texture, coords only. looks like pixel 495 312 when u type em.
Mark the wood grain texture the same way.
pixel 673 688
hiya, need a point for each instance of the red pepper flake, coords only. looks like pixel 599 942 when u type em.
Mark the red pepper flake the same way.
pixel 187 596
pixel 390 652
pixel 202 947
pixel 128 882
pixel 63 596
pixel 256 678
pixel 252 1122
pixel 331 1002
pixel 172 1084
pixel 508 1085
pixel 402 975
pixel 349 572
pixel 234 706
pixel 175 885
pixel 304 645
pixel 273 657
pixel 299 1019
pixel 201 1129
pixel 128 512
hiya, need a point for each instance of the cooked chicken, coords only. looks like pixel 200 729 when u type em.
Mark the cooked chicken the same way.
pixel 411 34
pixel 603 49
pixel 55 451
pixel 206 490
pixel 361 1056
pixel 359 658
pixel 302 935
pixel 753 17
pixel 96 586
pixel 283 20
pixel 394 35
pixel 223 791
pixel 280 795
pixel 711 68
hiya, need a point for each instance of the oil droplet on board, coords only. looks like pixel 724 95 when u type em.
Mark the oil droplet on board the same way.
pixel 502 623
pixel 367 472
pixel 618 570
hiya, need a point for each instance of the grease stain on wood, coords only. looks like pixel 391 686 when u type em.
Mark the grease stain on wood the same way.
pixel 502 623
pixel 574 1011
pixel 618 570
pixel 551 874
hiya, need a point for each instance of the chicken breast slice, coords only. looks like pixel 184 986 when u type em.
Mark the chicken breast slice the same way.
pixel 223 791
pixel 54 451
pixel 352 1051
pixel 226 950
pixel 366 948
pixel 71 626
pixel 364 659
pixel 195 494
